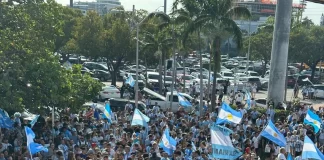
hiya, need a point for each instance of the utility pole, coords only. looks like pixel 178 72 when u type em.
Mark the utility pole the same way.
pixel 279 53
pixel 165 6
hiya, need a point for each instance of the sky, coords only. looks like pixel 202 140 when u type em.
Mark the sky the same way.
pixel 313 10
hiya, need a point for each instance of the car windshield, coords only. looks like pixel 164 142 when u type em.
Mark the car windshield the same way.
pixel 187 78
pixel 139 77
pixel 203 76
pixel 228 74
pixel 153 76
pixel 254 74
pixel 254 79
pixel 168 78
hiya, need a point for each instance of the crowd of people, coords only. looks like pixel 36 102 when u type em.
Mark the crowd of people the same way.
pixel 89 136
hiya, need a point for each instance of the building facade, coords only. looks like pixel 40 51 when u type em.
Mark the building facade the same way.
pixel 260 10
pixel 100 6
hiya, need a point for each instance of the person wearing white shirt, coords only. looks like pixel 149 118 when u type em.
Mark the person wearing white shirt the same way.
pixel 128 106
pixel 281 155
pixel 197 87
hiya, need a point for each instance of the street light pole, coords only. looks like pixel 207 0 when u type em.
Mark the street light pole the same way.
pixel 136 83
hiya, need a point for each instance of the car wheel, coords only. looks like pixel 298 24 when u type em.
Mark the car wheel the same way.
pixel 102 79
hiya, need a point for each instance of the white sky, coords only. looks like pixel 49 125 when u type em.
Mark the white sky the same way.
pixel 313 10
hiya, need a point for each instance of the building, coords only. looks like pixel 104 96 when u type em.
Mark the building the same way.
pixel 100 6
pixel 260 10
pixel 322 20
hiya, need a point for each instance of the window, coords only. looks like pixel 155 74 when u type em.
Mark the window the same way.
pixel 228 75
pixel 153 76
pixel 254 74
pixel 254 79
pixel 175 98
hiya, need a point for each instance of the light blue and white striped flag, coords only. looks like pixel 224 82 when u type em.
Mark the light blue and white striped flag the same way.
pixel 107 112
pixel 167 142
pixel 310 151
pixel 33 122
pixel 140 119
pixel 183 101
pixel 31 145
pixel 227 114
pixel 222 145
pixel 272 133
pixel 248 100
pixel 130 80
pixel 313 120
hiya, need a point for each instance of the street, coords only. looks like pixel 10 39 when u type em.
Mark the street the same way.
pixel 263 94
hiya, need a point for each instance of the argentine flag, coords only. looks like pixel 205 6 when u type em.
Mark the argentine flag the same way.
pixel 310 151
pixel 140 119
pixel 107 112
pixel 248 100
pixel 290 157
pixel 5 121
pixel 130 80
pixel 272 133
pixel 221 143
pixel 227 114
pixel 33 122
pixel 313 120
pixel 31 145
pixel 183 101
pixel 167 142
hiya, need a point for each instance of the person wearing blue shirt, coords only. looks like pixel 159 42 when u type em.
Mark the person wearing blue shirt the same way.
pixel 188 152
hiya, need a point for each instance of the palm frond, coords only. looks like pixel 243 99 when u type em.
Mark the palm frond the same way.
pixel 238 12
pixel 231 27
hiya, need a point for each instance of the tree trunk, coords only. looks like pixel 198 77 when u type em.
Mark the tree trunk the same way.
pixel 264 67
pixel 113 77
pixel 313 67
pixel 217 53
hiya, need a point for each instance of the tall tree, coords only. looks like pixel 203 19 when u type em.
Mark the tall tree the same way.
pixel 109 37
pixel 218 17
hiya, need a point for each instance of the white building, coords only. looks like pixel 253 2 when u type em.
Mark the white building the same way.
pixel 100 6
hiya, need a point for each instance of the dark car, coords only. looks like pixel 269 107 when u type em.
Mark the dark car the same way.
pixel 85 70
pixel 302 80
pixel 95 66
pixel 119 104
pixel 101 75
pixel 291 81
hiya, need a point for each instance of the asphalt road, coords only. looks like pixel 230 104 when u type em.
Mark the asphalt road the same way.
pixel 264 94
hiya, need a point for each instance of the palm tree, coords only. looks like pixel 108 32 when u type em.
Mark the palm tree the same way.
pixel 218 17
pixel 156 39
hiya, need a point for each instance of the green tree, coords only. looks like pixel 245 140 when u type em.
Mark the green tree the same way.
pixel 31 76
pixel 218 19
pixel 109 37
pixel 306 46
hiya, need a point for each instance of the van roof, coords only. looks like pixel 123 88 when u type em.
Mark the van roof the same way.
pixel 154 94
pixel 155 73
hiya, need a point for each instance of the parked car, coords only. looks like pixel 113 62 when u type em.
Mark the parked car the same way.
pixel 252 74
pixel 118 104
pixel 141 80
pixel 102 75
pixel 291 81
pixel 108 92
pixel 319 91
pixel 95 66
pixel 252 80
pixel 227 75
